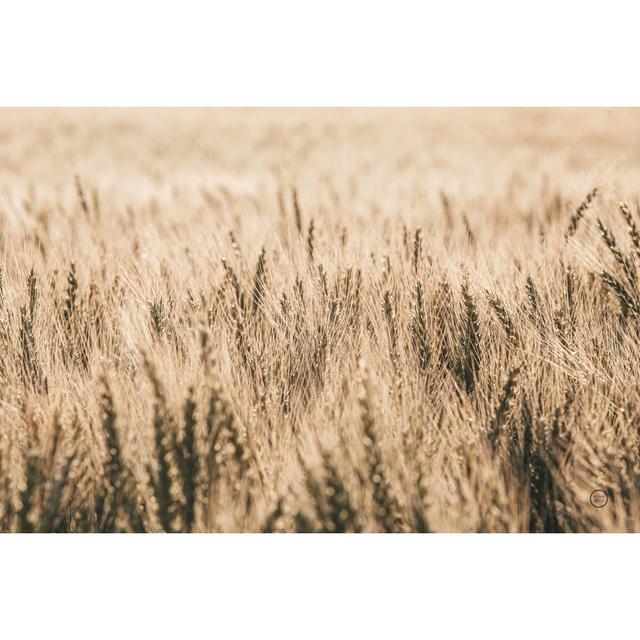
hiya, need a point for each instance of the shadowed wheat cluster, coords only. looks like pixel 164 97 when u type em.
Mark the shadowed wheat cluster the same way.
pixel 319 321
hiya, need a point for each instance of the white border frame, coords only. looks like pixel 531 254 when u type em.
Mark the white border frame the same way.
pixel 315 586
pixel 337 52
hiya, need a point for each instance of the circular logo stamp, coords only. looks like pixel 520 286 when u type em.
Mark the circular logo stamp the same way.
pixel 599 498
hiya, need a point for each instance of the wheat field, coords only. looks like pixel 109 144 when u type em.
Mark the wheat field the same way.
pixel 319 320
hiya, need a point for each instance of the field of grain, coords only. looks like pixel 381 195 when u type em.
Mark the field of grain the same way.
pixel 319 320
